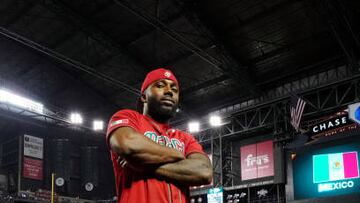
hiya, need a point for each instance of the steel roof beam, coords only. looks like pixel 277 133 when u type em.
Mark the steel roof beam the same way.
pixel 71 62
pixel 226 64
pixel 89 28
pixel 335 14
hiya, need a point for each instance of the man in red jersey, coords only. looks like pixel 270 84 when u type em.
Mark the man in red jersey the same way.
pixel 153 162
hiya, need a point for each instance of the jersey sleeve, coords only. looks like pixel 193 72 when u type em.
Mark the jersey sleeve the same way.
pixel 122 118
pixel 192 146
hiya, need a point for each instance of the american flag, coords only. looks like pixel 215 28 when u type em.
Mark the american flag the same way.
pixel 296 110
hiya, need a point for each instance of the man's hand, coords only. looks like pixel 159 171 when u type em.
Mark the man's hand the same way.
pixel 141 153
pixel 196 169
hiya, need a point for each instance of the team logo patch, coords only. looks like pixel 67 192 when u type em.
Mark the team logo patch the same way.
pixel 122 121
pixel 167 74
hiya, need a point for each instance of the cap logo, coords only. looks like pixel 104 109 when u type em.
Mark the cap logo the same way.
pixel 157 74
pixel 167 74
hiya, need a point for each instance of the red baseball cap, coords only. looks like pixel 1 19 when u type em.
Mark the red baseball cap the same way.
pixel 155 75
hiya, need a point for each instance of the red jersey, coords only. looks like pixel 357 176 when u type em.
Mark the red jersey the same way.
pixel 132 186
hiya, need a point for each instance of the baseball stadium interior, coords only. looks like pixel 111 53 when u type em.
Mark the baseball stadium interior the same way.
pixel 270 89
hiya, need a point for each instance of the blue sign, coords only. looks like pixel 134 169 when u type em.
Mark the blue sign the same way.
pixel 215 195
pixel 354 112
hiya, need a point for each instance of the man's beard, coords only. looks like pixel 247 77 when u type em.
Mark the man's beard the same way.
pixel 160 113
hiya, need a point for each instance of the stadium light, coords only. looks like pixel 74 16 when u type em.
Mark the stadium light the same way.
pixel 19 101
pixel 75 118
pixel 98 125
pixel 194 127
pixel 215 121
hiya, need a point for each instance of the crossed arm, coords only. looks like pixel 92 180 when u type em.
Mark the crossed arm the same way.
pixel 142 154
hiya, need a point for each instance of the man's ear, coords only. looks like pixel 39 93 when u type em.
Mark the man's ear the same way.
pixel 143 98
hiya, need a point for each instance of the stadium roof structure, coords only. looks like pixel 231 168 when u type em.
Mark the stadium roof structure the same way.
pixel 91 55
